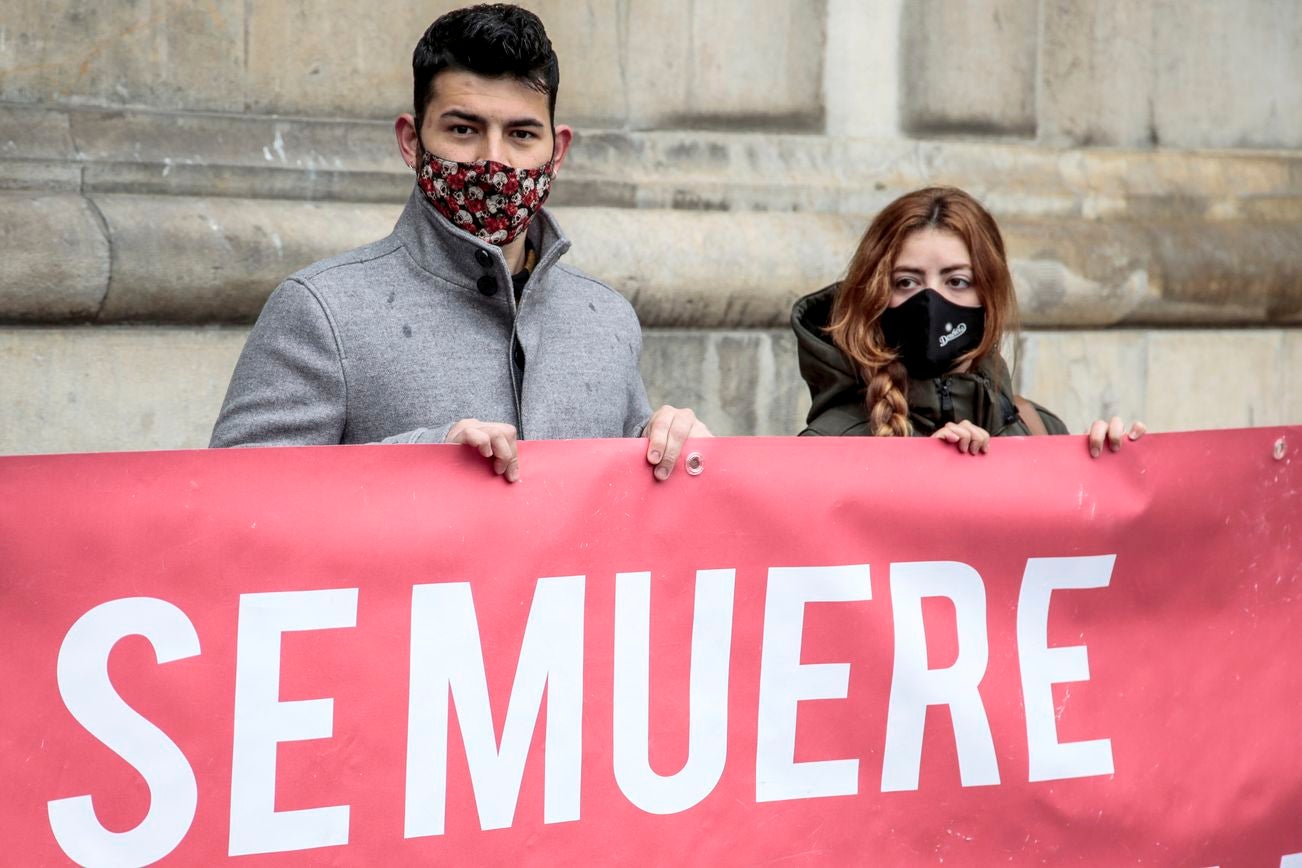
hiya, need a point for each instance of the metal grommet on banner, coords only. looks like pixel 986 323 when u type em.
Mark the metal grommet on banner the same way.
pixel 694 464
pixel 1280 449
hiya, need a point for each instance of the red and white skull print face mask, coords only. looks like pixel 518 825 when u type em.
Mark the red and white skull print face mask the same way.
pixel 490 200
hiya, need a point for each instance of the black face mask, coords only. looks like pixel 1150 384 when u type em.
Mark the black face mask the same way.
pixel 930 332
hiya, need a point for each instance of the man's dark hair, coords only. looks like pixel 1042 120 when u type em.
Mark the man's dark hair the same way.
pixel 493 40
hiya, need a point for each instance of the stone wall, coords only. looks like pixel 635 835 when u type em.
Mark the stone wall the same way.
pixel 164 164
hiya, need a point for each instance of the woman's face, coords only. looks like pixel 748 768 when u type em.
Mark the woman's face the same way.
pixel 934 259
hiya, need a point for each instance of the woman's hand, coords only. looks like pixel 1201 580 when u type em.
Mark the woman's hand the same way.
pixel 968 437
pixel 1113 431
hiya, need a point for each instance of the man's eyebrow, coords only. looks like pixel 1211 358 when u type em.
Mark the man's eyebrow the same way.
pixel 470 117
pixel 462 115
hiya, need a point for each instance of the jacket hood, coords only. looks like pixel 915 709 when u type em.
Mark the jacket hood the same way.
pixel 984 395
pixel 831 377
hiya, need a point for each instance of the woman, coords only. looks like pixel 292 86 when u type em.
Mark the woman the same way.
pixel 908 344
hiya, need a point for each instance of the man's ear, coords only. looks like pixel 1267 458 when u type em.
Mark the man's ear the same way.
pixel 564 137
pixel 408 139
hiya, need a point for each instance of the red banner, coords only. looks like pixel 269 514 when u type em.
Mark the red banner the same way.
pixel 829 651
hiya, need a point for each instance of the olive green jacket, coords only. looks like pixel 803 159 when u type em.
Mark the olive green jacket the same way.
pixel 984 396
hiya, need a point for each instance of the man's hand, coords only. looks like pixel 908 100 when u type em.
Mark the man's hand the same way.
pixel 495 440
pixel 969 438
pixel 665 433
pixel 1115 434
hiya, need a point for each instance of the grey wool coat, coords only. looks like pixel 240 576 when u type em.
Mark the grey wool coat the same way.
pixel 398 340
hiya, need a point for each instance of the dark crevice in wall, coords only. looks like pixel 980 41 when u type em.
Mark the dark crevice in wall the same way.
pixel 103 225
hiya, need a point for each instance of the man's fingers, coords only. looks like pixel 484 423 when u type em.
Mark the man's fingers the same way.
pixel 679 429
pixel 657 434
pixel 495 440
pixel 503 448
pixel 506 457
pixel 667 430
pixel 507 451
pixel 508 467
pixel 466 434
pixel 457 433
pixel 478 439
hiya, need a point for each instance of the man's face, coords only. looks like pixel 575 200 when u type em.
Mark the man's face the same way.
pixel 471 118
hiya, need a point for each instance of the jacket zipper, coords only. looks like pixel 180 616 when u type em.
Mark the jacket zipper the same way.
pixel 946 401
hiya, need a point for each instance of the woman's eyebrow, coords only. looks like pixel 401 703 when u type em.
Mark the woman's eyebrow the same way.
pixel 963 267
pixel 907 269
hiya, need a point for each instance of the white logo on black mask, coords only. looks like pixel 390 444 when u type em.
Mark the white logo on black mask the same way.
pixel 930 332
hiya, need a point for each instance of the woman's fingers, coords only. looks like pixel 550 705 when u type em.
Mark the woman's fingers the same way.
pixel 1096 434
pixel 978 437
pixel 968 438
pixel 1113 433
pixel 1116 431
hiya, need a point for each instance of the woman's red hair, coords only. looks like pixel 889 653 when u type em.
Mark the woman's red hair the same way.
pixel 855 327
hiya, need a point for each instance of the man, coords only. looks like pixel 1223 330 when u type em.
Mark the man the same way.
pixel 465 312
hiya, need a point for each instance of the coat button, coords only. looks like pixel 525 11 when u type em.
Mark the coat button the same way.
pixel 487 284
pixel 484 258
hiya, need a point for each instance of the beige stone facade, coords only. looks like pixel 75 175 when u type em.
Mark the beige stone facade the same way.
pixel 164 165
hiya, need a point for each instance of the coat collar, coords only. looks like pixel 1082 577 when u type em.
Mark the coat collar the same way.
pixel 458 257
